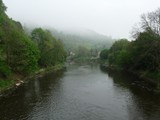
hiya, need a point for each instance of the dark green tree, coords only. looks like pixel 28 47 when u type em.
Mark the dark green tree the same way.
pixel 104 54
pixel 51 50
pixel 117 52
pixel 146 52
pixel 18 52
pixel 2 7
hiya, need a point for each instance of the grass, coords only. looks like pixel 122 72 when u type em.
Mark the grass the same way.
pixel 48 69
pixel 4 84
pixel 153 75
pixel 58 67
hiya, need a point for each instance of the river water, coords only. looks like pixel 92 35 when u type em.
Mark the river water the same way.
pixel 87 92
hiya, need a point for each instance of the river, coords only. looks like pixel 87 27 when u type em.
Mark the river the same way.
pixel 87 92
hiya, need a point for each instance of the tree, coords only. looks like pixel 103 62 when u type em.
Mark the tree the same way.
pixel 18 52
pixel 43 39
pixel 145 52
pixel 145 49
pixel 51 50
pixel 2 7
pixel 117 50
pixel 104 54
pixel 150 22
pixel 22 54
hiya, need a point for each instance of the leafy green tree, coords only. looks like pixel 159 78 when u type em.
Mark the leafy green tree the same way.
pixel 21 53
pixel 104 54
pixel 17 50
pixel 124 59
pixel 5 70
pixel 145 52
pixel 59 52
pixel 43 39
pixel 51 50
pixel 117 51
pixel 2 7
pixel 145 49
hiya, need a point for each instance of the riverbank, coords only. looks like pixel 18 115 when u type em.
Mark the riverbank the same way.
pixel 16 80
pixel 151 78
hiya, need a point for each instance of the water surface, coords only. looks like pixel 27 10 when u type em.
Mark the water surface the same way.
pixel 86 92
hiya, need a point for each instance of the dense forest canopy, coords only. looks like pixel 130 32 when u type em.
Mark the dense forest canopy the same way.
pixel 18 51
pixel 24 54
pixel 51 50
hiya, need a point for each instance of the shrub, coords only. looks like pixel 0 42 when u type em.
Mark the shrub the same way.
pixel 4 69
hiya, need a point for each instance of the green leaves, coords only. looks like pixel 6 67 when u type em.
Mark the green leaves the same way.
pixel 104 54
pixel 4 69
pixel 22 55
pixel 141 54
pixel 146 48
pixel 17 49
pixel 2 7
pixel 51 50
pixel 118 52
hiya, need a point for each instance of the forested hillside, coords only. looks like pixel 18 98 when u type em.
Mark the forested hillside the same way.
pixel 86 38
pixel 82 45
pixel 20 54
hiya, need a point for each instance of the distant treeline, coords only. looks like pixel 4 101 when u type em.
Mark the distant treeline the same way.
pixel 88 39
pixel 141 55
pixel 83 45
pixel 24 54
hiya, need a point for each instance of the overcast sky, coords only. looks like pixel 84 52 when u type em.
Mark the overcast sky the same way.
pixel 110 17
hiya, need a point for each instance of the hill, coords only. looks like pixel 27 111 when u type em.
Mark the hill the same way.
pixel 73 38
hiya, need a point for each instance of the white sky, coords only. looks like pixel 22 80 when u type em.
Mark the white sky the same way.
pixel 110 17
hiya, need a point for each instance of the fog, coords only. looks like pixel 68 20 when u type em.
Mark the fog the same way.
pixel 109 17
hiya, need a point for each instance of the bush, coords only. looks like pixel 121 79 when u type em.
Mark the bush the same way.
pixel 5 84
pixel 104 54
pixel 4 69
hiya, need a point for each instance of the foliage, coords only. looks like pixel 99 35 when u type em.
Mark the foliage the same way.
pixel 2 7
pixel 149 23
pixel 146 52
pixel 5 84
pixel 142 54
pixel 104 54
pixel 58 53
pixel 123 58
pixel 51 50
pixel 4 69
pixel 20 54
pixel 16 49
pixel 118 52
